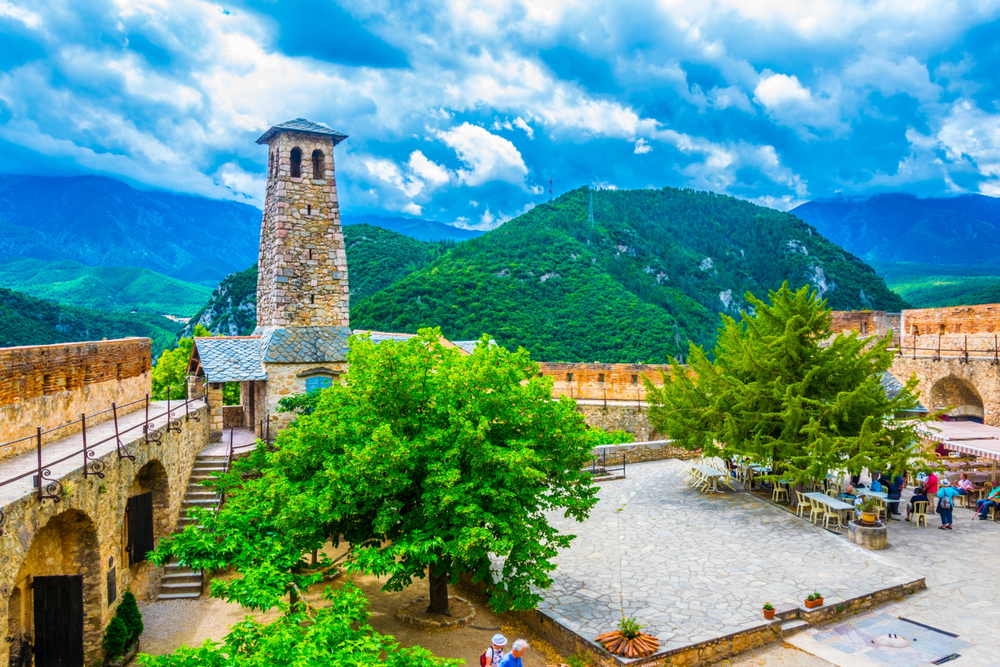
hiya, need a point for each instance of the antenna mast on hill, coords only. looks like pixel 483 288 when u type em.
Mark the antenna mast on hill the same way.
pixel 590 214
pixel 550 190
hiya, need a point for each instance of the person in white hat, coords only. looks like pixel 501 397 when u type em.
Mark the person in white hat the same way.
pixel 946 503
pixel 491 657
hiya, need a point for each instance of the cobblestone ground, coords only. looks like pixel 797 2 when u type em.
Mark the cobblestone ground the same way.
pixel 694 567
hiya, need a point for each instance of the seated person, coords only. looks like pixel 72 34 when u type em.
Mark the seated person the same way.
pixel 850 493
pixel 965 487
pixel 919 495
pixel 983 506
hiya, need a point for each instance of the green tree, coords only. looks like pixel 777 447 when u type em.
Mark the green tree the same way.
pixel 334 635
pixel 781 390
pixel 170 371
pixel 426 461
pixel 115 638
pixel 128 612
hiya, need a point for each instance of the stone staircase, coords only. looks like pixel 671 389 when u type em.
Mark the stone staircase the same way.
pixel 180 582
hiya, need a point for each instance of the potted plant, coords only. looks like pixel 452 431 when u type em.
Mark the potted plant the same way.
pixel 814 600
pixel 768 611
pixel 869 510
pixel 628 641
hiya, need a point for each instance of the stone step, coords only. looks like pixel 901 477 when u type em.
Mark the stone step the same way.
pixel 211 501
pixel 177 568
pixel 170 588
pixel 792 626
pixel 182 578
pixel 178 596
pixel 199 492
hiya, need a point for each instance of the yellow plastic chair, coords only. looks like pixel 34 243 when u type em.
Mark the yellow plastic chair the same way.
pixel 817 512
pixel 779 493
pixel 830 515
pixel 802 503
pixel 919 513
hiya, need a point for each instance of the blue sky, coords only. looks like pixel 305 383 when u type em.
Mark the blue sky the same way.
pixel 462 111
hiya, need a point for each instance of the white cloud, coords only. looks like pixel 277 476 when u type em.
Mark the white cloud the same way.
pixel 792 104
pixel 429 172
pixel 488 156
pixel 523 124
pixel 641 147
pixel 24 16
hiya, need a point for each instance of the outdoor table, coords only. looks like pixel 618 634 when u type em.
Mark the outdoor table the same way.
pixel 877 494
pixel 832 503
pixel 712 473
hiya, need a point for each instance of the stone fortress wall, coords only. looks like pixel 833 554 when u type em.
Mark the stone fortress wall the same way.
pixel 614 382
pixel 303 263
pixel 50 385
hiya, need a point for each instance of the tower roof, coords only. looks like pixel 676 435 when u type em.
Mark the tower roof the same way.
pixel 302 125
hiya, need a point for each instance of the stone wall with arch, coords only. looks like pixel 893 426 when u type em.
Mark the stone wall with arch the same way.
pixel 82 533
pixel 972 388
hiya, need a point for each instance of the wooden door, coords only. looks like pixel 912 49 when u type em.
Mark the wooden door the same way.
pixel 58 621
pixel 140 527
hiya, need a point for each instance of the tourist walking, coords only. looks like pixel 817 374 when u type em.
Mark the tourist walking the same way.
pixel 492 656
pixel 517 651
pixel 946 503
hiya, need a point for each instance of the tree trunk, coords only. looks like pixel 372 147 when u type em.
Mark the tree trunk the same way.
pixel 439 593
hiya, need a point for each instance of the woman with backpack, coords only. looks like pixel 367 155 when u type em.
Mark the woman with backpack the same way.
pixel 946 503
pixel 491 657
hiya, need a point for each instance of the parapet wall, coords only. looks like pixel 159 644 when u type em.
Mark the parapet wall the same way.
pixel 869 322
pixel 50 385
pixel 620 382
pixel 966 320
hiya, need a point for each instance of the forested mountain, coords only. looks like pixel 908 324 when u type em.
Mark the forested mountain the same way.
pixel 902 228
pixel 933 252
pixel 25 320
pixel 120 289
pixel 103 222
pixel 376 258
pixel 649 275
pixel 421 230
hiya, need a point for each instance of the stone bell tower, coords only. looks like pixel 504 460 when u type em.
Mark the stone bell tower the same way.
pixel 303 265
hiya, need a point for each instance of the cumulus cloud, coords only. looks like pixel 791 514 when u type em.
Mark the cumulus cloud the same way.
pixel 792 104
pixel 488 157
pixel 641 147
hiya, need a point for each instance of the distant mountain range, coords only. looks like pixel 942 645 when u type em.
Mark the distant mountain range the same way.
pixel 100 221
pixel 933 252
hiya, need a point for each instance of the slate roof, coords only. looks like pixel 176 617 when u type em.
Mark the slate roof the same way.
pixel 230 359
pixel 892 387
pixel 302 125
pixel 469 346
pixel 303 345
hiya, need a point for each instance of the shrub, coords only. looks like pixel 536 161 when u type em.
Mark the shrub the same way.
pixel 629 627
pixel 128 612
pixel 115 638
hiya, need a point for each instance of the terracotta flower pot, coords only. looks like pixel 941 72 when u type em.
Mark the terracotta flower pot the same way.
pixel 814 603
pixel 768 614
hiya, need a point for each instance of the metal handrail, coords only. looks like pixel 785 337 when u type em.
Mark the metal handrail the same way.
pixel 960 353
pixel 49 488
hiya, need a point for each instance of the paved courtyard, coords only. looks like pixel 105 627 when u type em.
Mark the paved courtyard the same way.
pixel 695 567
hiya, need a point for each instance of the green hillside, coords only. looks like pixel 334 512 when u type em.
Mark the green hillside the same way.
pixel 120 289
pixel 937 285
pixel 25 320
pixel 649 275
pixel 376 258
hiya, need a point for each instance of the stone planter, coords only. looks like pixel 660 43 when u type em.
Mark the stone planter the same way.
pixel 123 660
pixel 868 537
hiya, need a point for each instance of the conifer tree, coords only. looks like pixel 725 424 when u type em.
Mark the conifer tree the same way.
pixel 780 389
pixel 115 638
pixel 128 612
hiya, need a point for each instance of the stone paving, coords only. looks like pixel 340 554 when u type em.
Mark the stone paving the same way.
pixel 694 567
pixel 72 447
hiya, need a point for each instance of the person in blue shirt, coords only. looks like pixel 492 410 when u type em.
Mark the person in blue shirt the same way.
pixel 513 659
pixel 946 497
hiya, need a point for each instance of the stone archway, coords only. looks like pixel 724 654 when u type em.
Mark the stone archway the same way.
pixel 66 545
pixel 151 478
pixel 959 396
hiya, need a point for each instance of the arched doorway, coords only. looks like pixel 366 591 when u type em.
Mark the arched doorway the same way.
pixel 54 609
pixel 960 397
pixel 146 520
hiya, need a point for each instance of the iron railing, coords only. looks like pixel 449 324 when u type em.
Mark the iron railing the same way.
pixel 51 488
pixel 937 353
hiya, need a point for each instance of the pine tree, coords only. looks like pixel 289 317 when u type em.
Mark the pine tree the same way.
pixel 115 638
pixel 128 612
pixel 781 390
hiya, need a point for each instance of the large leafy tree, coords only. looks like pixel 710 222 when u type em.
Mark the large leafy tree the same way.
pixel 426 461
pixel 333 634
pixel 781 390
